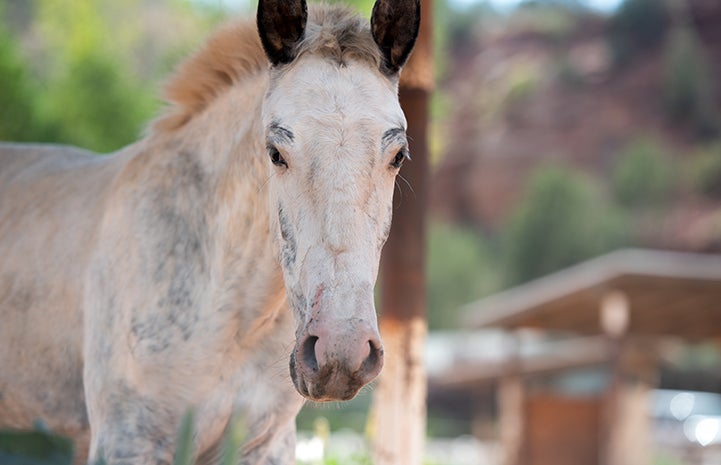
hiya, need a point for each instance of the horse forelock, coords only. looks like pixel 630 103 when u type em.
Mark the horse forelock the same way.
pixel 340 34
pixel 235 52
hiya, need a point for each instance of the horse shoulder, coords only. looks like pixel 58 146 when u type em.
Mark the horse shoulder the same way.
pixel 50 204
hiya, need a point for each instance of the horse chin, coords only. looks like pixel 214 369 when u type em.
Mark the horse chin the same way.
pixel 330 384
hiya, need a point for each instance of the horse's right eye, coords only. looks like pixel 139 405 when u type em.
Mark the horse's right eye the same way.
pixel 276 158
pixel 397 161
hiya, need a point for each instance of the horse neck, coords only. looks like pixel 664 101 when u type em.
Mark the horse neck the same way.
pixel 229 140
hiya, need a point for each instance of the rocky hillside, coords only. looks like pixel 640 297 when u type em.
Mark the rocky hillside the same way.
pixel 580 93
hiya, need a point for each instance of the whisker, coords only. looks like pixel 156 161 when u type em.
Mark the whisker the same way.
pixel 400 194
pixel 262 186
pixel 408 184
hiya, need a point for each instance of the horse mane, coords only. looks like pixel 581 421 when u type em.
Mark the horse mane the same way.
pixel 235 52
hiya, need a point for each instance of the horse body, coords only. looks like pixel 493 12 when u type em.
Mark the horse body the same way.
pixel 112 231
pixel 182 270
pixel 49 195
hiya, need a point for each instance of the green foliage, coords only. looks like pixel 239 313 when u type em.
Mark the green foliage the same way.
pixel 44 448
pixel 16 111
pixel 460 269
pixel 92 95
pixel 98 105
pixel 643 176
pixel 455 25
pixel 353 460
pixel 91 75
pixel 19 118
pixel 637 25
pixel 706 171
pixel 34 448
pixel 688 83
pixel 665 459
pixel 352 414
pixel 567 74
pixel 551 19
pixel 233 441
pixel 362 6
pixel 507 97
pixel 562 221
pixel 523 82
pixel 184 451
pixel 701 356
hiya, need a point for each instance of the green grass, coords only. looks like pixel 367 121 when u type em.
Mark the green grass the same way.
pixel 34 448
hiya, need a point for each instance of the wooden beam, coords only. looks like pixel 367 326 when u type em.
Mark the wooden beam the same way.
pixel 399 403
pixel 637 272
pixel 562 356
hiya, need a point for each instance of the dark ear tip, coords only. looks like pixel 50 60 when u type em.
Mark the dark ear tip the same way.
pixel 395 25
pixel 281 26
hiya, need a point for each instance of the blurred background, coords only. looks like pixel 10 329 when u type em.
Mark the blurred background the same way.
pixel 561 131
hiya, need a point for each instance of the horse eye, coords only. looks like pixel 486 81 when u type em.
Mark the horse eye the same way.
pixel 276 158
pixel 398 159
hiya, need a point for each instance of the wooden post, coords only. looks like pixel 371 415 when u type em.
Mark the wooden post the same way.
pixel 399 403
pixel 512 421
pixel 511 398
pixel 626 425
pixel 614 320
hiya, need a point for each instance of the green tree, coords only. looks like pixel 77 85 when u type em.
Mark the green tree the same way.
pixel 643 176
pixel 39 447
pixel 97 104
pixel 705 170
pixel 460 269
pixel 636 26
pixel 562 220
pixel 689 93
pixel 91 93
pixel 363 6
pixel 19 118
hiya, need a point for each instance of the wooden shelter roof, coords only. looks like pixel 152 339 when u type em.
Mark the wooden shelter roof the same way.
pixel 668 293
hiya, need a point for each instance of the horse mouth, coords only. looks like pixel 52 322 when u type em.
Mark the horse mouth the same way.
pixel 328 384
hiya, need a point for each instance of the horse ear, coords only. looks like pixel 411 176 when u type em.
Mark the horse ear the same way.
pixel 394 25
pixel 281 25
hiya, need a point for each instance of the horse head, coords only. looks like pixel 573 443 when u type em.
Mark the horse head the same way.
pixel 335 136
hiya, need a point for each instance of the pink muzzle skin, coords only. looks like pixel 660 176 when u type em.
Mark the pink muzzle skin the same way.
pixel 333 360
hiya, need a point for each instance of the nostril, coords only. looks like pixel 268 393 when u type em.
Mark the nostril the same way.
pixel 374 361
pixel 308 353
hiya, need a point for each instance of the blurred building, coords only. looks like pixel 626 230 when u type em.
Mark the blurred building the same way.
pixel 576 369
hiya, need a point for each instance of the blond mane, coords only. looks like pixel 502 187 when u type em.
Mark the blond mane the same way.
pixel 235 52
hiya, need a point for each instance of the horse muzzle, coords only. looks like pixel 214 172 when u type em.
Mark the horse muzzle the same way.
pixel 330 366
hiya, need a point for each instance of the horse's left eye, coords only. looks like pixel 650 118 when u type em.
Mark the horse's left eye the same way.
pixel 398 159
pixel 276 158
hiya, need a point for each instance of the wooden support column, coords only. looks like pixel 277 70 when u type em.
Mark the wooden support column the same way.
pixel 399 403
pixel 511 398
pixel 614 319
pixel 625 423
